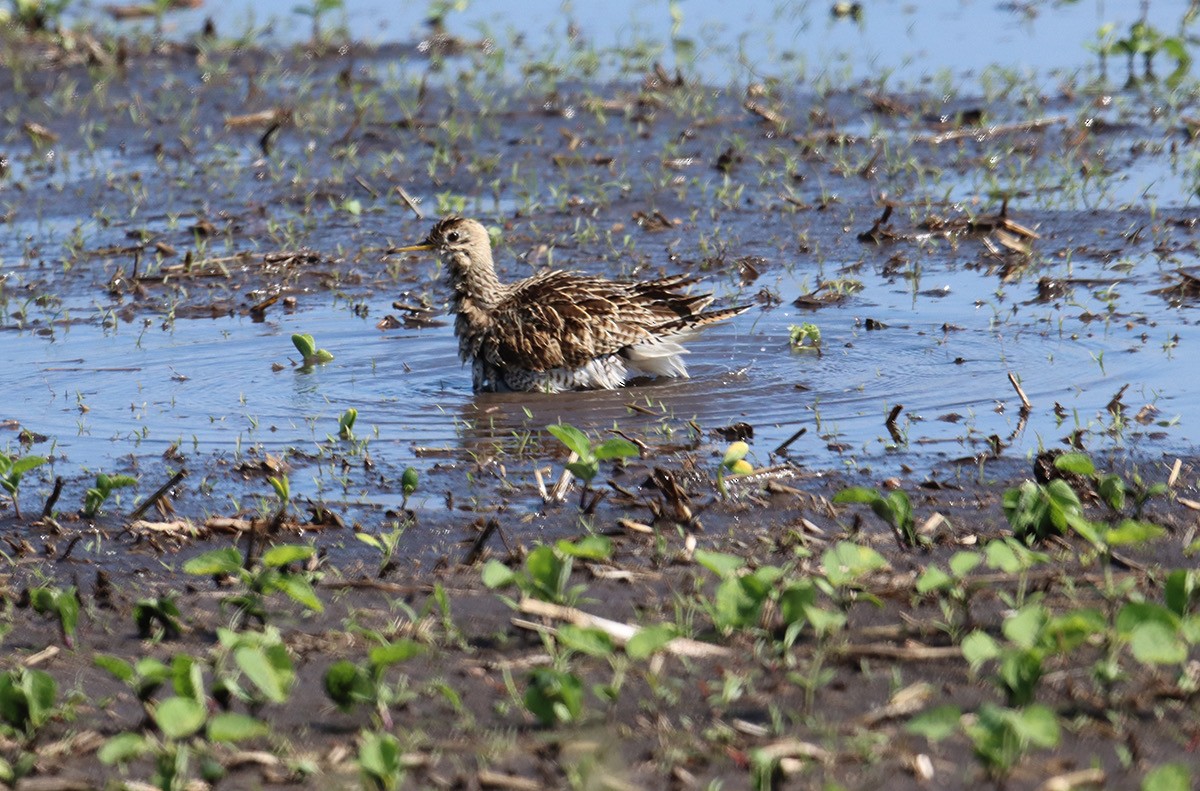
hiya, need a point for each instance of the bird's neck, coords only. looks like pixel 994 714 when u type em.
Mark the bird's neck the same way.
pixel 475 281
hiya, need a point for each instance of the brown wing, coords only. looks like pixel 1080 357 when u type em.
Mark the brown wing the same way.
pixel 564 320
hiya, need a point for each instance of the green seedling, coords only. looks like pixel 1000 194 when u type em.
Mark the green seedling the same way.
pixel 804 337
pixel 953 587
pixel 143 677
pixel 28 700
pixel 408 485
pixel 316 10
pixel 554 696
pixel 283 493
pixel 386 542
pixel 587 465
pixel 547 571
pixel 157 617
pixel 379 761
pixel 260 657
pixel 1037 511
pixel 11 470
pixel 270 576
pixel 734 462
pixel 999 736
pixel 97 495
pixel 179 720
pixel 309 353
pixel 62 605
pixel 346 424
pixel 1112 488
pixel 349 685
pixel 895 509
pixel 1168 777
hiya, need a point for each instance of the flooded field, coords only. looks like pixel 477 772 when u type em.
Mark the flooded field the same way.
pixel 968 235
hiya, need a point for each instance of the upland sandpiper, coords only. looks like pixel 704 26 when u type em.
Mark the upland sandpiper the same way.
pixel 560 330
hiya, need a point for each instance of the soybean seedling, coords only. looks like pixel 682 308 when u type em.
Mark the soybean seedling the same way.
pixel 735 463
pixel 11 470
pixel 95 497
pixel 309 353
pixel 589 457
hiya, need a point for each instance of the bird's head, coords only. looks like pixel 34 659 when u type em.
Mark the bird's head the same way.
pixel 460 242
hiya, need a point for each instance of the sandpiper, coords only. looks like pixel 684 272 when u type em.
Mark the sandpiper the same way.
pixel 560 330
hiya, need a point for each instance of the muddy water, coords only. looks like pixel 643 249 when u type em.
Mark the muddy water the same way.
pixel 115 375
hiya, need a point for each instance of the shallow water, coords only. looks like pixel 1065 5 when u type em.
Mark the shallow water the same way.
pixel 118 373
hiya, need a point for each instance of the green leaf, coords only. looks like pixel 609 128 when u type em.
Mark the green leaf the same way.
pixel 408 481
pixel 1154 643
pixel 1168 777
pixel 231 726
pixel 25 464
pixel 734 607
pixel 964 562
pixel 573 438
pixel 179 718
pixel 937 723
pixel 547 570
pixel 649 640
pixel 497 575
pixel 1130 531
pixel 305 345
pixel 218 561
pixel 933 579
pixel 117 667
pixel 795 600
pixel 1025 626
pixel 347 684
pixel 187 678
pixel 588 548
pixel 300 590
pixel 979 647
pixel 379 757
pixel 1038 725
pixel 554 696
pixel 584 470
pixel 1181 590
pixel 857 494
pixel 319 357
pixel 382 656
pixel 590 641
pixel 616 448
pixel 846 562
pixel 1112 489
pixel 1078 463
pixel 734 453
pixel 258 667
pixel 1133 614
pixel 825 622
pixel 122 748
pixel 719 563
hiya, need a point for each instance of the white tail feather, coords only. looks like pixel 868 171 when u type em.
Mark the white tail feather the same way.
pixel 657 358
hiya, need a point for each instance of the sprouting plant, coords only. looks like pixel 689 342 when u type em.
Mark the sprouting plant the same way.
pixel 408 485
pixel 178 719
pixel 62 605
pixel 895 509
pixel 554 696
pixel 11 470
pixel 349 685
pixel 106 484
pixel 159 615
pixel 316 10
pixel 379 761
pixel 27 700
pixel 954 586
pixel 548 569
pixel 283 493
pixel 733 462
pixel 310 355
pixel 272 575
pixel 805 336
pixel 386 542
pixel 587 464
pixel 346 424
pixel 143 677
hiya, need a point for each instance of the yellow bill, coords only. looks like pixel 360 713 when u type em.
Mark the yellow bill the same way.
pixel 413 248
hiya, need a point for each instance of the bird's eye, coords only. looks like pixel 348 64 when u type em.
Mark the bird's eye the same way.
pixel 452 236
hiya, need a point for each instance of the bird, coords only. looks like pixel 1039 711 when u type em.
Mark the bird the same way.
pixel 560 330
